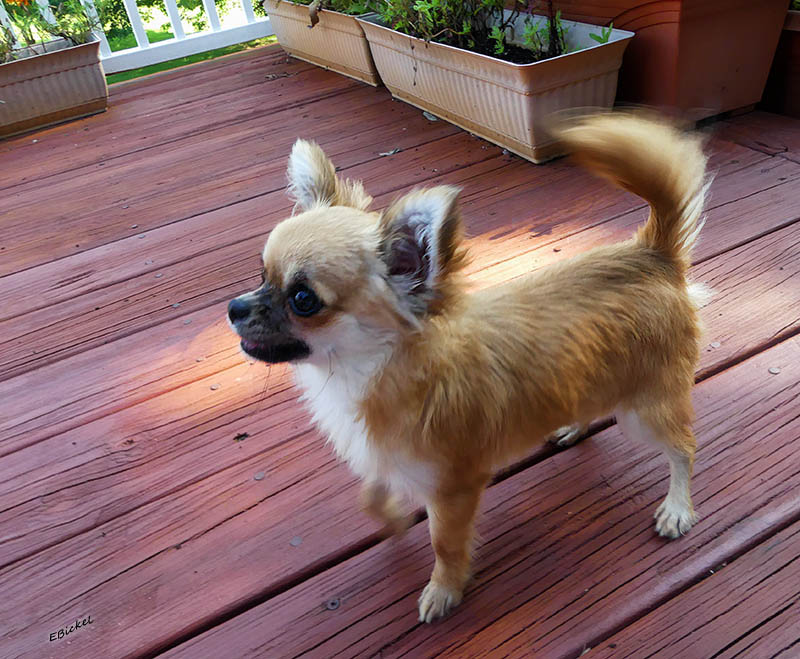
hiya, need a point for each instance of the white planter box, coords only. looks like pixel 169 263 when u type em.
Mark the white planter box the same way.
pixel 497 100
pixel 64 83
pixel 337 42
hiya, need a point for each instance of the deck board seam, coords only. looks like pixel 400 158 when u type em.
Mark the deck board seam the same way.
pixel 213 301
pixel 509 472
pixel 332 562
pixel 730 560
pixel 221 207
pixel 195 133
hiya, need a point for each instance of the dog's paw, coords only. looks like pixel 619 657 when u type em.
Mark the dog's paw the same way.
pixel 673 520
pixel 437 601
pixel 567 435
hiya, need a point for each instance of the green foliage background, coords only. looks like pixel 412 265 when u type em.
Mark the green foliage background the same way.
pixel 116 23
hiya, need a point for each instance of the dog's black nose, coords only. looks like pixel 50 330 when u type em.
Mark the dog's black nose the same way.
pixel 238 309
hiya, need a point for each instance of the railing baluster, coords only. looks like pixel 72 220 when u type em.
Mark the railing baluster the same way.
pixel 250 27
pixel 247 6
pixel 45 11
pixel 136 23
pixel 213 17
pixel 175 19
pixel 91 11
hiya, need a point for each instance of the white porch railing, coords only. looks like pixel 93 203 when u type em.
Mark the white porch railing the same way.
pixel 180 45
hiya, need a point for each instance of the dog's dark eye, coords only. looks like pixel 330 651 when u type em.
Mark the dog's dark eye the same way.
pixel 304 302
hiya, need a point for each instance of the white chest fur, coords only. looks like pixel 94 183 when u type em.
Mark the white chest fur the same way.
pixel 333 398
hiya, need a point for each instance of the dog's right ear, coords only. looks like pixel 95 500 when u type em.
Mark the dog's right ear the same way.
pixel 421 234
pixel 313 180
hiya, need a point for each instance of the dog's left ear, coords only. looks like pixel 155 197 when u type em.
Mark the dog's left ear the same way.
pixel 313 180
pixel 421 233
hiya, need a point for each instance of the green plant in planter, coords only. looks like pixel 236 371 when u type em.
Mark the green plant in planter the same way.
pixel 481 26
pixel 72 22
pixel 537 36
pixel 605 34
pixel 69 21
pixel 6 45
pixel 24 16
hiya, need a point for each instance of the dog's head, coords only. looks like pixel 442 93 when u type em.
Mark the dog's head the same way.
pixel 337 279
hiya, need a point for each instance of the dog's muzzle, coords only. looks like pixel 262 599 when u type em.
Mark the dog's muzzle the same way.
pixel 262 328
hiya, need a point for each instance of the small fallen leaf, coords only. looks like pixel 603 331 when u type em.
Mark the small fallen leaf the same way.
pixel 275 76
pixel 429 116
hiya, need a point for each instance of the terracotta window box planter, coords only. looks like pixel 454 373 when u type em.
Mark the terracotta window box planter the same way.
pixel 63 83
pixel 700 57
pixel 782 94
pixel 337 42
pixel 495 99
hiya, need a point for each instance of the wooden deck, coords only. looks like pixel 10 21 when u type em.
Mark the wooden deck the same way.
pixel 126 497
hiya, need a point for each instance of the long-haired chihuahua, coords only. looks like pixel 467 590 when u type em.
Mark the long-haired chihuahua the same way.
pixel 425 390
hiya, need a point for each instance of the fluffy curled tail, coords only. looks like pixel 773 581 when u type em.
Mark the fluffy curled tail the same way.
pixel 654 160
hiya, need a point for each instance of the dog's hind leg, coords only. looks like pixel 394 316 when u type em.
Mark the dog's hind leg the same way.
pixel 568 435
pixel 668 427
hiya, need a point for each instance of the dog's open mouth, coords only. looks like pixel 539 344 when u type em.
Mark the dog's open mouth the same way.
pixel 285 350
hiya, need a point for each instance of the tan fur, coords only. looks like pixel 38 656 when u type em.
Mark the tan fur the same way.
pixel 458 385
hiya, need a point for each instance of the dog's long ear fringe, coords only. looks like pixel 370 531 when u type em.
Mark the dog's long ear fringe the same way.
pixel 653 159
pixel 421 245
pixel 313 181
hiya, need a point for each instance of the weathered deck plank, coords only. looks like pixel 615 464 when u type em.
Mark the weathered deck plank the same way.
pixel 195 263
pixel 742 278
pixel 196 174
pixel 749 608
pixel 124 495
pixel 141 115
pixel 509 256
pixel 568 552
pixel 769 133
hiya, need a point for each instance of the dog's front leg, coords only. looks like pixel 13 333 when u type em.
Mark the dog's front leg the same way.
pixel 451 517
pixel 377 501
